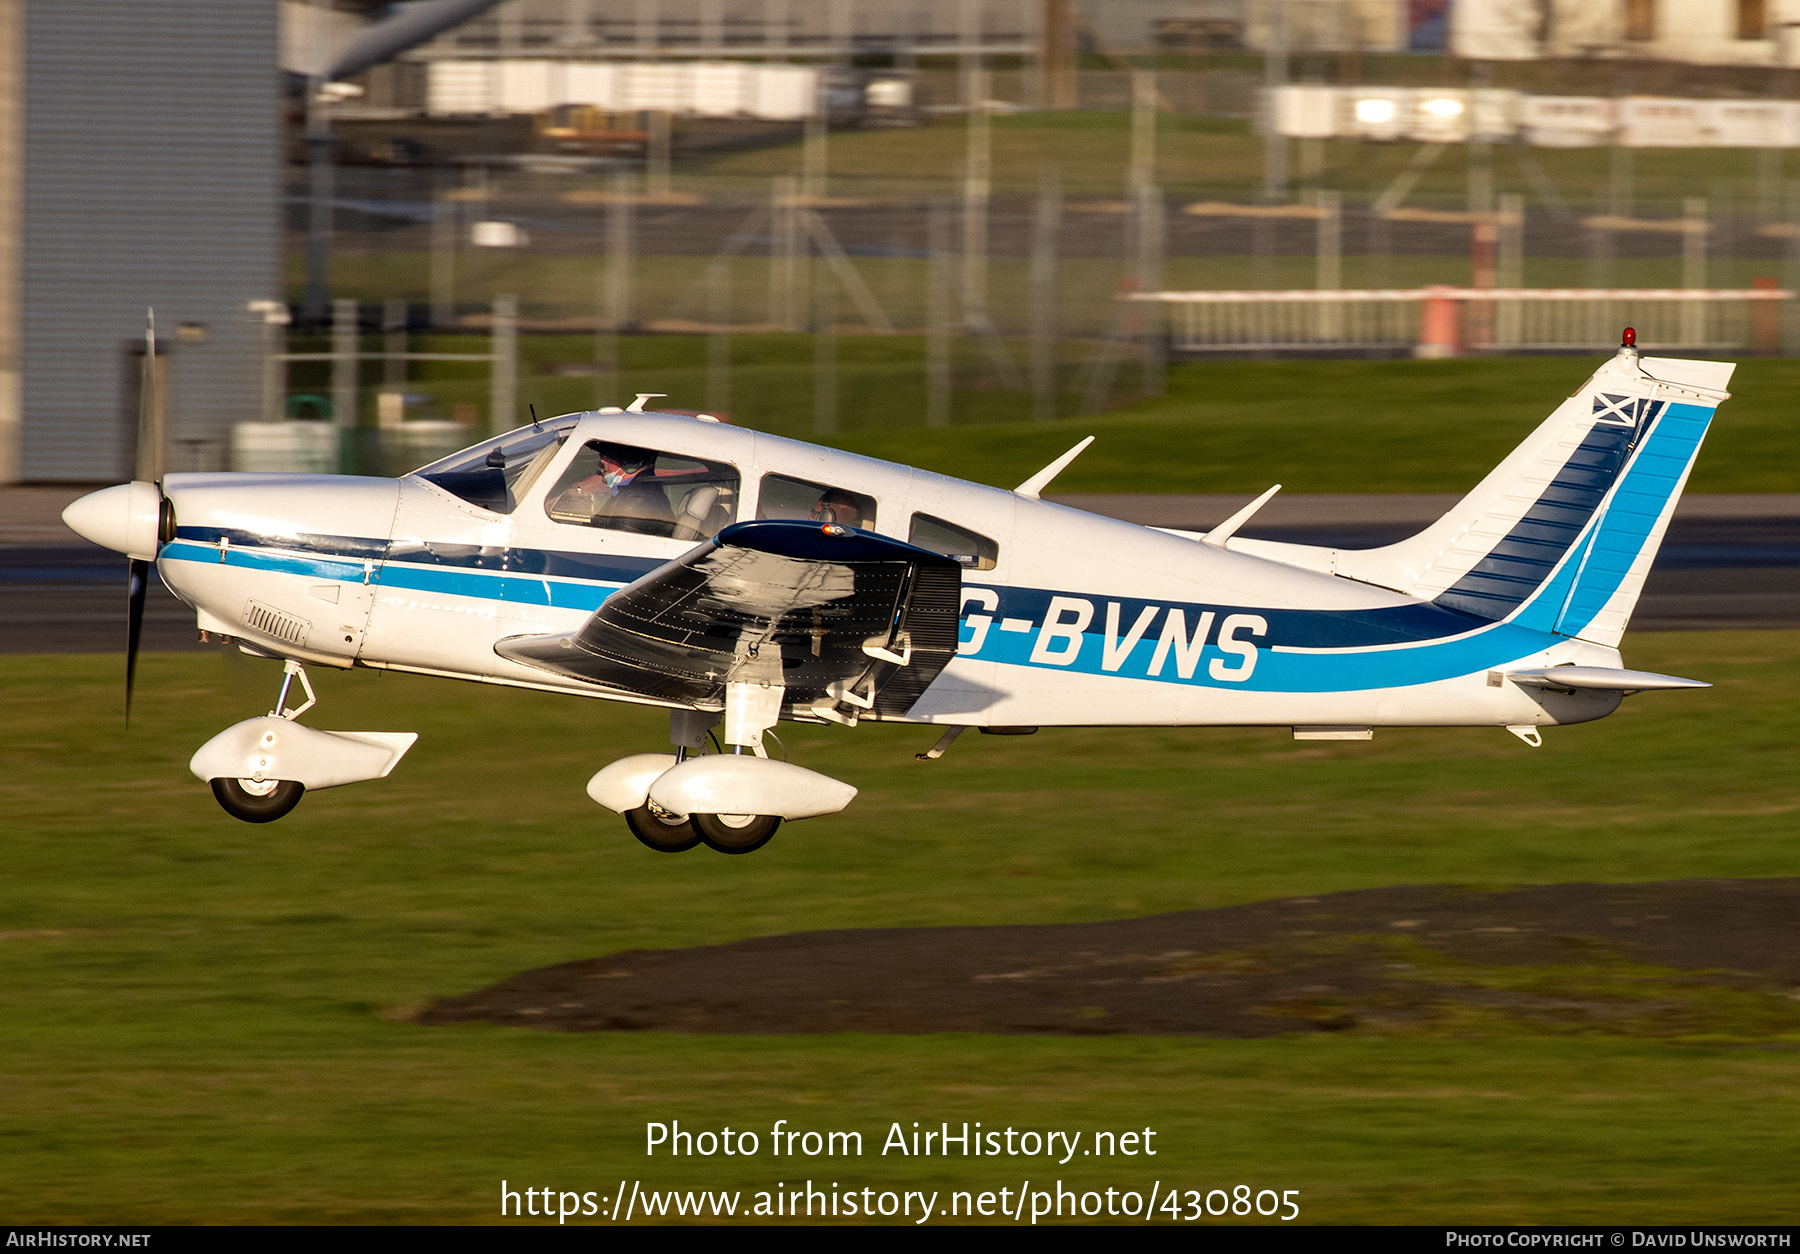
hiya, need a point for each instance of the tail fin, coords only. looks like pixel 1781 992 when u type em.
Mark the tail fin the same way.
pixel 1561 535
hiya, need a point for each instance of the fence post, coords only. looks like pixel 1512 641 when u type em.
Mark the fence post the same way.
pixel 1381 248
pixel 825 352
pixel 1149 209
pixel 504 381
pixel 718 336
pixel 344 366
pixel 393 347
pixel 613 312
pixel 273 315
pixel 1275 72
pixel 1790 272
pixel 937 315
pixel 1329 274
pixel 1044 227
pixel 977 185
pixel 1484 248
pixel 814 150
pixel 1509 264
pixel 784 253
pixel 1142 170
pixel 1693 270
pixel 443 259
pixel 656 156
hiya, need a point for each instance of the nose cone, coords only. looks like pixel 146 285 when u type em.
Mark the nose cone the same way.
pixel 123 519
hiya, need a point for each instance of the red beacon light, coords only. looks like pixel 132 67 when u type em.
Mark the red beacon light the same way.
pixel 1630 338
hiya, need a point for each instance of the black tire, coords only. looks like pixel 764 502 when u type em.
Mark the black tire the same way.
pixel 240 803
pixel 724 835
pixel 659 833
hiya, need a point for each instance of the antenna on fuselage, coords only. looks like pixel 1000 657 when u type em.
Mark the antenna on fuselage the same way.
pixel 1041 480
pixel 534 421
pixel 1225 530
pixel 637 406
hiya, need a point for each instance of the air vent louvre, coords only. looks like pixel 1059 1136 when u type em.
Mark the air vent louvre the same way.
pixel 269 621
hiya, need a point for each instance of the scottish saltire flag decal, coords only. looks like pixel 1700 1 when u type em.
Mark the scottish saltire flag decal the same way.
pixel 1636 412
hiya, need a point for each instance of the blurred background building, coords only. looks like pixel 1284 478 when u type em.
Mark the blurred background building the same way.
pixel 1706 32
pixel 140 155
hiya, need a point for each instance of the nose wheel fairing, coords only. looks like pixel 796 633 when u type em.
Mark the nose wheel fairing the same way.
pixel 260 768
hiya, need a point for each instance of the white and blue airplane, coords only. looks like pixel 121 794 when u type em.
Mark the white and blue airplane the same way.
pixel 740 579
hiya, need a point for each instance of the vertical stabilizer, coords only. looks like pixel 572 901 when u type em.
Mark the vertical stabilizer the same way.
pixel 1561 535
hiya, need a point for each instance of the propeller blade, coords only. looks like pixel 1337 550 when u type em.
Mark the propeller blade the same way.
pixel 150 439
pixel 139 586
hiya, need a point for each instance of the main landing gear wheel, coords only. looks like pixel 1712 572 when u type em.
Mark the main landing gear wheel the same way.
pixel 663 832
pixel 258 801
pixel 735 833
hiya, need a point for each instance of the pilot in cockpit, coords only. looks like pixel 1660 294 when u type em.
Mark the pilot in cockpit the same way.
pixel 622 493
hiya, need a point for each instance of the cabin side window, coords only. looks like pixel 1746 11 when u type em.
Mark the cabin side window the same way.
pixel 968 549
pixel 621 487
pixel 785 497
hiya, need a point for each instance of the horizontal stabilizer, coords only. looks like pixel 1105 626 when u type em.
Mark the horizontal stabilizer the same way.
pixel 1601 679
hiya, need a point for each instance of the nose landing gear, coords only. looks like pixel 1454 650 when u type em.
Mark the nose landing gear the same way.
pixel 260 768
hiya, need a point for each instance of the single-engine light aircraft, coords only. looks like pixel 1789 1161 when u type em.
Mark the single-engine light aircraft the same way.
pixel 739 579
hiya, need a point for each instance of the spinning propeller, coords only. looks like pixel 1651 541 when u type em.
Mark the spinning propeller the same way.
pixel 148 474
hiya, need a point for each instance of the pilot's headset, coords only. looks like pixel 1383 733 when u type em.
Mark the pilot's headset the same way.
pixel 837 507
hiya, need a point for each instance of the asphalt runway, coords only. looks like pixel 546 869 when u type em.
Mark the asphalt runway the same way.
pixel 1728 563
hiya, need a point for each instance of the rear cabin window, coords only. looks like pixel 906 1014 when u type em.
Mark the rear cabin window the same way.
pixel 621 487
pixel 495 473
pixel 785 497
pixel 969 549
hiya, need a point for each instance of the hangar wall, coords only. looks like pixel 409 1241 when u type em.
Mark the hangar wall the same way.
pixel 149 174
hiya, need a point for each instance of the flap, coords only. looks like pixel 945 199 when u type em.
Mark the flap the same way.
pixel 823 611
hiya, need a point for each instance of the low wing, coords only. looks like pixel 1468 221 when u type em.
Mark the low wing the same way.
pixel 849 622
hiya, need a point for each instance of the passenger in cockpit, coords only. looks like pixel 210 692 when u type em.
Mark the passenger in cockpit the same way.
pixel 837 506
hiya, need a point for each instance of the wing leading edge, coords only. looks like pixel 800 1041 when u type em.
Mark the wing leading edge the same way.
pixel 850 623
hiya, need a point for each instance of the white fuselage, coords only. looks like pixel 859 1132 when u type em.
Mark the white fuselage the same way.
pixel 1081 619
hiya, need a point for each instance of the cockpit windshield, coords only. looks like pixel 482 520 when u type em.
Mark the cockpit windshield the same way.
pixel 496 473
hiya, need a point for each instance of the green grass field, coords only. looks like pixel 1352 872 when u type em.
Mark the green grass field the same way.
pixel 205 1021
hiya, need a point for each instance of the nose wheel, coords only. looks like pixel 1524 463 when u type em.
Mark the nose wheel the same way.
pixel 265 800
pixel 258 801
